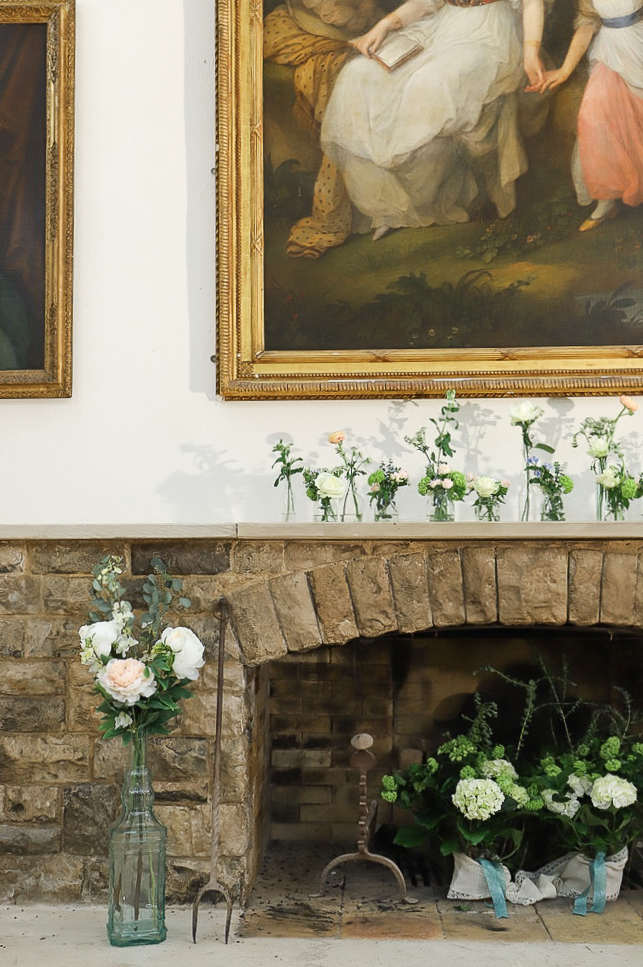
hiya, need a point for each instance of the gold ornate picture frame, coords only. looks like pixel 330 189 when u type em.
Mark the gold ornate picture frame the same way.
pixel 36 197
pixel 254 77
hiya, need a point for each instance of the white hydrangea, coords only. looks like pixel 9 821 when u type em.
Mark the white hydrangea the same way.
pixel 478 798
pixel 518 793
pixel 610 790
pixel 568 808
pixel 579 785
pixel 498 767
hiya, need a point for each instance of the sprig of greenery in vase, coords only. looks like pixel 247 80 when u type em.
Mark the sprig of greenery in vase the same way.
pixel 553 484
pixel 490 495
pixel 608 462
pixel 324 487
pixel 287 470
pixel 384 485
pixel 352 467
pixel 440 480
pixel 524 415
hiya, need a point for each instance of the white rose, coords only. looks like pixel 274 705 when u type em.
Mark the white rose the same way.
pixel 598 446
pixel 330 486
pixel 609 479
pixel 611 790
pixel 97 641
pixel 486 486
pixel 447 483
pixel 188 652
pixel 580 785
pixel 524 412
pixel 400 476
pixel 127 680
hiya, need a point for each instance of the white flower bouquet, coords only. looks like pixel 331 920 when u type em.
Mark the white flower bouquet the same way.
pixel 490 494
pixel 140 674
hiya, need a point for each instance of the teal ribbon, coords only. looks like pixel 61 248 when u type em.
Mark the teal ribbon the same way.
pixel 598 880
pixel 496 883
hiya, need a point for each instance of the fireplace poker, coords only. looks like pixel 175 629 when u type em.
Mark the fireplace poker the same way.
pixel 213 886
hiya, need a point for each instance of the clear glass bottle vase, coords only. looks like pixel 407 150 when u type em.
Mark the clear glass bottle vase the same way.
pixel 442 509
pixel 137 842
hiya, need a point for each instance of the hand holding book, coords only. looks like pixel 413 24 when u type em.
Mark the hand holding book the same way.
pixel 390 52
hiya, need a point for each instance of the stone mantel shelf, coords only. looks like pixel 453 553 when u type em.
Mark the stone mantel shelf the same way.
pixel 406 530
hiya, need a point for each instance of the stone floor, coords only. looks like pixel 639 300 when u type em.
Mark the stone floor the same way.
pixel 362 904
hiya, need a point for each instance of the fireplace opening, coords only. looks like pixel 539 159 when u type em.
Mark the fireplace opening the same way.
pixel 405 691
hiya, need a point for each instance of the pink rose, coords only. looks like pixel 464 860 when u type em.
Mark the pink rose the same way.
pixel 127 680
pixel 447 483
pixel 336 437
pixel 628 403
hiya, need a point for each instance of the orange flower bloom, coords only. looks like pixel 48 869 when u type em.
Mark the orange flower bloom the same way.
pixel 336 437
pixel 628 403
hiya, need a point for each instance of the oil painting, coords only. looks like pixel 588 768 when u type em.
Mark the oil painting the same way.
pixel 36 145
pixel 439 192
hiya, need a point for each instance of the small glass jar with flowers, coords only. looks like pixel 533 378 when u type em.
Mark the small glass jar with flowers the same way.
pixel 615 486
pixel 384 484
pixel 326 489
pixel 490 494
pixel 553 484
pixel 289 467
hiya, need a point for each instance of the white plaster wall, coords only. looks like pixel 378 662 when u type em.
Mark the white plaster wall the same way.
pixel 143 439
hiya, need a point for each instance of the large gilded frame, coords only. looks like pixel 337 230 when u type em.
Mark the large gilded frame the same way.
pixel 246 370
pixel 55 379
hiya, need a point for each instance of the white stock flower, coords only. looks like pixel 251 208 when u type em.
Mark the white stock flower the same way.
pixel 478 798
pixel 124 643
pixel 122 720
pixel 329 485
pixel 579 785
pixel 486 486
pixel 122 613
pixel 599 446
pixel 525 412
pixel 569 807
pixel 610 790
pixel 96 642
pixel 125 679
pixel 498 767
pixel 188 652
pixel 608 479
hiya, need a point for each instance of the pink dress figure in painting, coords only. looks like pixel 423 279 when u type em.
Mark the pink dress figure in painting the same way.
pixel 607 164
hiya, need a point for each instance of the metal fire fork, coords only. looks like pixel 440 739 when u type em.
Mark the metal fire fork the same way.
pixel 363 760
pixel 213 885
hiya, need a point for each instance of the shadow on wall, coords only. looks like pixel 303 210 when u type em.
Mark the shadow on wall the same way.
pixel 215 489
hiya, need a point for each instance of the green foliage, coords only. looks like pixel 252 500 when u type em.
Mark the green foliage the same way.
pixel 159 590
pixel 553 483
pixel 286 462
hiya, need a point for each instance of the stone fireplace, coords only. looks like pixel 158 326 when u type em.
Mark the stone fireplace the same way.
pixel 327 625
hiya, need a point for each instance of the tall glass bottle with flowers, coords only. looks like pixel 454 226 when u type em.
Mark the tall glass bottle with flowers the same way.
pixel 440 482
pixel 141 675
pixel 288 468
pixel 524 415
pixel 615 486
pixel 384 484
pixel 351 467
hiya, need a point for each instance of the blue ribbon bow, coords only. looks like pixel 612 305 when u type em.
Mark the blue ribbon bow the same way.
pixel 597 879
pixel 496 883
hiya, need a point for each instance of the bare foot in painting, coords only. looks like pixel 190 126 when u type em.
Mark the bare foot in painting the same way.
pixel 380 232
pixel 604 210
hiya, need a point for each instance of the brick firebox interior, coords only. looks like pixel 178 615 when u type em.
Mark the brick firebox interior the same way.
pixel 329 636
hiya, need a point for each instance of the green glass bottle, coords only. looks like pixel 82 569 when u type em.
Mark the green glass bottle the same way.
pixel 137 860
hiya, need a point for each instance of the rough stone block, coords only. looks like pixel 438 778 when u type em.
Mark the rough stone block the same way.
pixel 19 594
pixel 258 557
pixel 585 572
pixel 31 677
pixel 56 878
pixel 185 877
pixel 370 589
pixel 305 555
pixel 171 759
pixel 480 594
pixel 181 793
pixel 411 592
pixel 63 594
pixel 30 804
pixel 532 585
pixel 234 769
pixel 70 557
pixel 27 839
pixel 42 759
pixel 618 590
pixel 89 809
pixel 234 829
pixel 446 589
pixel 12 637
pixel 20 714
pixel 256 624
pixel 294 606
pixel 12 558
pixel 183 557
pixel 333 603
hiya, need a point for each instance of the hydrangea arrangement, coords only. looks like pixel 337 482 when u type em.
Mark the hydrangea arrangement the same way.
pixel 384 484
pixel 615 486
pixel 441 482
pixel 490 494
pixel 141 673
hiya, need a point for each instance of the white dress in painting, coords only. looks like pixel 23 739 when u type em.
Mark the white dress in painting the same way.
pixel 406 141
